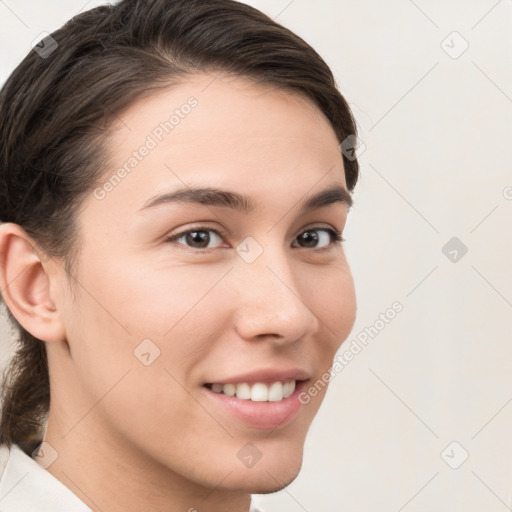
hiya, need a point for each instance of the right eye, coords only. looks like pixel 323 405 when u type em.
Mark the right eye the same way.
pixel 197 238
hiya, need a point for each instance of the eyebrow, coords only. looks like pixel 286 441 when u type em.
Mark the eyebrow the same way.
pixel 209 196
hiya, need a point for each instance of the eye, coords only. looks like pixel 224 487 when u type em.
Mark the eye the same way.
pixel 198 238
pixel 319 238
pixel 205 238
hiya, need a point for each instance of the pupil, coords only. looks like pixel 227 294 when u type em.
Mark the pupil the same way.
pixel 310 238
pixel 199 238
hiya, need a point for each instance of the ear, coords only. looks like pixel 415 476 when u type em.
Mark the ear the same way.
pixel 25 285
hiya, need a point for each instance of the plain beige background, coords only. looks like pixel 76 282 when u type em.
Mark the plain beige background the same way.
pixel 420 419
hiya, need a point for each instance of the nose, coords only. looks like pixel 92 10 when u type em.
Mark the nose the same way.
pixel 270 301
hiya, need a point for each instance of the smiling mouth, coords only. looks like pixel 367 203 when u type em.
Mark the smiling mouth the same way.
pixel 256 392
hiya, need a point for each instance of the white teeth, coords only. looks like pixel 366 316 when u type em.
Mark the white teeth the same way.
pixel 257 392
pixel 275 392
pixel 289 388
pixel 243 391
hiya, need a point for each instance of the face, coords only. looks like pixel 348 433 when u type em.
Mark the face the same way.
pixel 183 298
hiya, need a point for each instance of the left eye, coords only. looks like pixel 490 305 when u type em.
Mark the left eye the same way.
pixel 311 238
pixel 319 237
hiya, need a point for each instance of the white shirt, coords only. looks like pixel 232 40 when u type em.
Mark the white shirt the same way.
pixel 25 486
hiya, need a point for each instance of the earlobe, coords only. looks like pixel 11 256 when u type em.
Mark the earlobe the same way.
pixel 25 285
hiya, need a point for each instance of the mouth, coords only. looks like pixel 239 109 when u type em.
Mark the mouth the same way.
pixel 262 405
pixel 256 392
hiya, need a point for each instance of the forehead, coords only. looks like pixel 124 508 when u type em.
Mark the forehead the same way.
pixel 221 131
pixel 226 111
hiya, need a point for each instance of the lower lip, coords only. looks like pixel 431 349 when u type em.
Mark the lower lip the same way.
pixel 263 415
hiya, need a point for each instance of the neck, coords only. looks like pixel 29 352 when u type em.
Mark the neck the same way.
pixel 108 473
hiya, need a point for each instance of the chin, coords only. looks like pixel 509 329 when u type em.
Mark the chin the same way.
pixel 262 484
pixel 274 484
pixel 266 477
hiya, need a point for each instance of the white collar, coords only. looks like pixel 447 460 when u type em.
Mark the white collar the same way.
pixel 25 486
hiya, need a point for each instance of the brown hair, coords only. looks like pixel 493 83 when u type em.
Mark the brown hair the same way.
pixel 55 110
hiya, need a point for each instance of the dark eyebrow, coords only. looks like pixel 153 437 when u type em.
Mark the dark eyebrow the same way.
pixel 216 197
pixel 327 197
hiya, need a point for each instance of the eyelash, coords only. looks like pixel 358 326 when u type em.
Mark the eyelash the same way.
pixel 335 235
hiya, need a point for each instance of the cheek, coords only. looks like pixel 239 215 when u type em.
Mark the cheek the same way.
pixel 128 315
pixel 333 301
pixel 136 341
pixel 335 306
pixel 149 298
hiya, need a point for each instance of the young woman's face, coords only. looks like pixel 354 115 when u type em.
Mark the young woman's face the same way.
pixel 176 299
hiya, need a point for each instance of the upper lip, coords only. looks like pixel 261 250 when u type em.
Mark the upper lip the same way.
pixel 265 375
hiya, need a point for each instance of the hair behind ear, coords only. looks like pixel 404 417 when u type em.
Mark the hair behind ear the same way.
pixel 25 393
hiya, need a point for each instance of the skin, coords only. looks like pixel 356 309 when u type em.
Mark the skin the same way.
pixel 134 437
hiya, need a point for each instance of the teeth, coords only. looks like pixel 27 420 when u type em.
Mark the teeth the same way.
pixel 289 388
pixel 275 392
pixel 243 391
pixel 228 389
pixel 258 392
